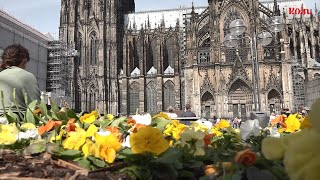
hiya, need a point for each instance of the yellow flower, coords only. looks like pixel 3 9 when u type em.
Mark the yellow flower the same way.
pixel 305 123
pixel 174 129
pixel 216 132
pixel 193 140
pixel 161 115
pixel 8 134
pixel 58 137
pixel 108 146
pixel 222 124
pixel 27 126
pixel 148 139
pixel 75 140
pixel 90 148
pixel 110 117
pixel 89 118
pixel 91 130
pixel 197 126
pixel 292 123
pixel 281 130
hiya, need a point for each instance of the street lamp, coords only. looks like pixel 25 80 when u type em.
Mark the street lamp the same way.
pixel 237 27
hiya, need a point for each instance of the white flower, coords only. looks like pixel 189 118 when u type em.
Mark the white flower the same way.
pixel 274 132
pixel 102 132
pixel 206 123
pixel 142 119
pixel 3 120
pixel 248 128
pixel 31 133
pixel 126 142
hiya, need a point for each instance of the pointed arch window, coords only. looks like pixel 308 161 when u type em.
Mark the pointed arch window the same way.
pixel 151 98
pixel 169 95
pixel 94 49
pixel 134 97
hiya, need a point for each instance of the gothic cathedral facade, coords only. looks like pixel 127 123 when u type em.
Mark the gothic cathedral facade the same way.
pixel 147 61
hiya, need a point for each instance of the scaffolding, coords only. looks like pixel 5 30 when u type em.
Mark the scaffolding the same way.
pixel 59 74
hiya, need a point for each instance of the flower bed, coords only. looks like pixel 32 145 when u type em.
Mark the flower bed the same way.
pixel 145 147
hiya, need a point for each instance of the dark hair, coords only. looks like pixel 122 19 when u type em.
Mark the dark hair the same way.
pixel 188 106
pixel 13 55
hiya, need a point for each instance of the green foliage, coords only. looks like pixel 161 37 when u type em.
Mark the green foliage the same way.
pixel 35 148
pixel 160 123
pixel 96 162
pixel 29 117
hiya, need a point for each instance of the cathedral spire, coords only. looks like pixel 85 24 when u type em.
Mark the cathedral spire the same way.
pixel 162 25
pixel 148 23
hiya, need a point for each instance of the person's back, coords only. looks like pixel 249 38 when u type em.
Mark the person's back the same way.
pixel 188 112
pixel 13 76
pixel 171 113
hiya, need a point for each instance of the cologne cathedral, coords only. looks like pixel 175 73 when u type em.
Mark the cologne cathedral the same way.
pixel 147 61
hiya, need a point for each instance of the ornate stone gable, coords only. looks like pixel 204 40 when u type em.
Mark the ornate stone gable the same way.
pixel 274 82
pixel 238 72
pixel 207 85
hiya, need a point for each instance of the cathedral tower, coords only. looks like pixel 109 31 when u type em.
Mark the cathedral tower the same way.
pixel 95 29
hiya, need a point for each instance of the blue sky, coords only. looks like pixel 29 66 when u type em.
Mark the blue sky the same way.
pixel 43 15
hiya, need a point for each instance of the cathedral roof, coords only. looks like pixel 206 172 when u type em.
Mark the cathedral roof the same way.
pixel 156 17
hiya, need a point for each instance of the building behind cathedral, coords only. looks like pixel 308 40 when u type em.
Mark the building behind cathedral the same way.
pixel 154 59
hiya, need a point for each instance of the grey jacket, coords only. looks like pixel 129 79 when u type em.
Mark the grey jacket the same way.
pixel 24 82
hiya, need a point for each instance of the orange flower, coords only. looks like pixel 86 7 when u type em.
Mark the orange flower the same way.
pixel 209 170
pixel 113 130
pixel 207 139
pixel 50 124
pixel 131 122
pixel 280 119
pixel 70 125
pixel 246 157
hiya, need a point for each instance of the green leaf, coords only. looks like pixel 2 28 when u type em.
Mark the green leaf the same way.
pixel 160 123
pixel 54 115
pixel 10 119
pixel 54 148
pixel 62 116
pixel 30 117
pixel 44 109
pixel 35 148
pixel 139 172
pixel 70 154
pixel 32 105
pixel 116 122
pixel 96 162
pixel 54 107
pixel 72 114
pixel 85 163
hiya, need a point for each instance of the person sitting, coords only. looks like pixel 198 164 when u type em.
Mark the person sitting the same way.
pixel 188 112
pixel 14 76
pixel 171 113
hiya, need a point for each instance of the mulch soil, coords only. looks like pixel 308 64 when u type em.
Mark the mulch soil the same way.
pixel 42 166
